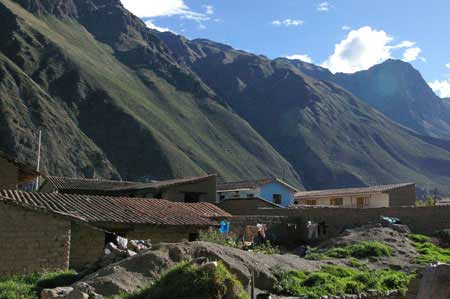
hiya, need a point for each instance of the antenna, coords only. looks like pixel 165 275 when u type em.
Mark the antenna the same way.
pixel 38 159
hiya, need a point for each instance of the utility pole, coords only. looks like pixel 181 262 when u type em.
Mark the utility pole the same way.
pixel 38 159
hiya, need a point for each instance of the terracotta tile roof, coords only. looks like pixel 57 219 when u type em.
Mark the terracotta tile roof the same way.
pixel 166 183
pixel 63 183
pixel 104 209
pixel 350 191
pixel 80 184
pixel 251 184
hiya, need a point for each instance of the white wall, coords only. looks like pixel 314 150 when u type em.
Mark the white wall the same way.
pixel 238 194
pixel 378 200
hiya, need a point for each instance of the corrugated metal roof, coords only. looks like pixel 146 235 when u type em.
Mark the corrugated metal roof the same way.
pixel 101 209
pixel 350 191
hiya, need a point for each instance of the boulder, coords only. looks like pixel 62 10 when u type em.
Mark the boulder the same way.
pixel 56 293
pixel 432 283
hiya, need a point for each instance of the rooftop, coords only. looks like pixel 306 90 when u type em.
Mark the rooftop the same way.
pixel 104 209
pixel 251 184
pixel 27 172
pixel 350 191
pixel 81 184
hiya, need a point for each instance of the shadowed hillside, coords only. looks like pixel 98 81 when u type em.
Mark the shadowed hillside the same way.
pixel 112 101
pixel 331 137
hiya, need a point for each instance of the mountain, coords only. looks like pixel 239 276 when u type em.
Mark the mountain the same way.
pixel 112 101
pixel 397 90
pixel 331 137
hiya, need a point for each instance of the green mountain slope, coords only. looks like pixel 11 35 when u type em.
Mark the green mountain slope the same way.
pixel 112 101
pixel 397 90
pixel 332 138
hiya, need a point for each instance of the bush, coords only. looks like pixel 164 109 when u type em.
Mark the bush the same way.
pixel 419 238
pixel 214 236
pixel 358 250
pixel 190 281
pixel 339 280
pixel 430 253
pixel 30 286
pixel 267 248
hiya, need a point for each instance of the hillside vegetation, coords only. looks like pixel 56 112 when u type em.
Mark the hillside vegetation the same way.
pixel 112 102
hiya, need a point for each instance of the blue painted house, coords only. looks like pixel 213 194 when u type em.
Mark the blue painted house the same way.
pixel 272 190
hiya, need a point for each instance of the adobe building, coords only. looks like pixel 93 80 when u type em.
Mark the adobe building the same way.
pixel 395 195
pixel 189 190
pixel 55 231
pixel 14 173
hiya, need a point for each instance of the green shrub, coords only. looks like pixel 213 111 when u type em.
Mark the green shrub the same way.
pixel 30 286
pixel 338 280
pixel 430 253
pixel 267 248
pixel 419 238
pixel 358 250
pixel 189 281
pixel 214 236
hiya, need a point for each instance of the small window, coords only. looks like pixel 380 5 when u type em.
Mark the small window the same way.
pixel 250 195
pixel 295 202
pixel 191 197
pixel 336 201
pixel 277 199
pixel 311 202
pixel 221 197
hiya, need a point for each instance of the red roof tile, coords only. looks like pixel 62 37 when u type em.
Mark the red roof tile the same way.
pixel 104 209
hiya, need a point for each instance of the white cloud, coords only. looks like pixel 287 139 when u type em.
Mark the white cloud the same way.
pixel 288 22
pixel 365 47
pixel 411 54
pixel 302 57
pixel 150 24
pixel 209 9
pixel 323 6
pixel 346 28
pixel 447 65
pixel 441 88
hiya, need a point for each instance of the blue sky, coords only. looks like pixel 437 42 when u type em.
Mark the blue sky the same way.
pixel 342 35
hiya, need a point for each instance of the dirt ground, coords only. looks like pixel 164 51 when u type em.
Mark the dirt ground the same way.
pixel 135 272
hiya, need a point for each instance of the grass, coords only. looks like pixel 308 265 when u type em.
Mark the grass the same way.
pixel 30 286
pixel 359 250
pixel 339 280
pixel 429 252
pixel 190 281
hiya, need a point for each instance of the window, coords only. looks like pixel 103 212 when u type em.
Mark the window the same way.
pixel 221 197
pixel 250 195
pixel 277 199
pixel 336 201
pixel 191 197
pixel 295 202
pixel 311 202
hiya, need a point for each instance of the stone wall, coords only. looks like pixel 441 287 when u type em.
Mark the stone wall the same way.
pixel 86 245
pixel 9 175
pixel 32 241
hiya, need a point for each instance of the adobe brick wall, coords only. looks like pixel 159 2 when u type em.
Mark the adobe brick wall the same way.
pixel 422 220
pixel 243 206
pixel 159 234
pixel 87 246
pixel 31 241
pixel 405 196
pixel 9 175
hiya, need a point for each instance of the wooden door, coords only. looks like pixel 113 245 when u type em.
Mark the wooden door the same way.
pixel 360 202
